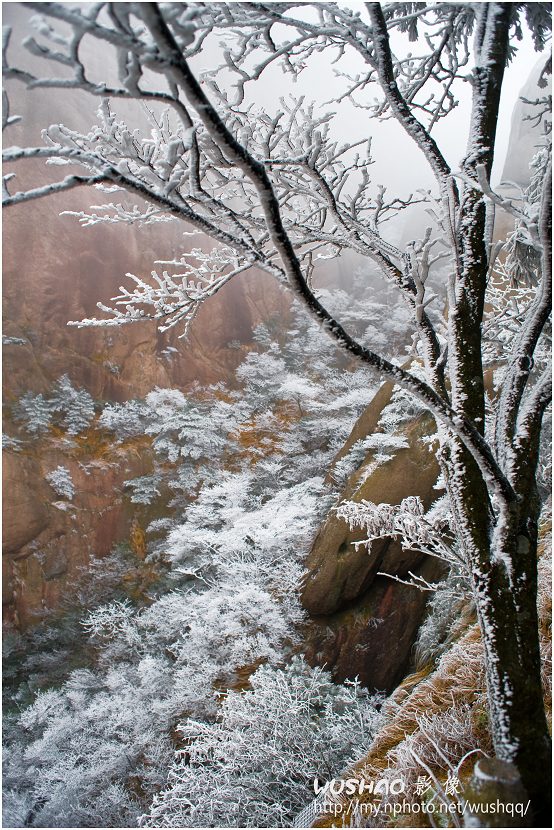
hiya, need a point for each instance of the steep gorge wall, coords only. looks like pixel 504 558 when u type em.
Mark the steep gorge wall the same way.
pixel 49 540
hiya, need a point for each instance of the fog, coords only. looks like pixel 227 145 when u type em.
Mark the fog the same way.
pixel 399 164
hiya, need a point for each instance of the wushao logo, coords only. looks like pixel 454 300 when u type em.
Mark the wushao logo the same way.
pixel 359 786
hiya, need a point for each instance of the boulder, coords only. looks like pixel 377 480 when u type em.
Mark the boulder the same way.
pixel 363 624
pixel 337 571
pixel 372 638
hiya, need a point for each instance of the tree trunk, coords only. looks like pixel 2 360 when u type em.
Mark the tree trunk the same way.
pixel 507 610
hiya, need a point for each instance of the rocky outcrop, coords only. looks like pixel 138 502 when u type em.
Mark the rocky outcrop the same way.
pixel 48 538
pixel 526 135
pixel 363 624
pixel 24 514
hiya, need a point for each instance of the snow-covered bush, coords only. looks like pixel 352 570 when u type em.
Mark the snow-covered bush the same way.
pixel 61 482
pixel 86 739
pixel 256 765
pixel 11 443
pixel 144 489
pixel 449 607
pixel 74 406
pixel 67 407
pixel 126 420
pixel 246 468
pixel 36 412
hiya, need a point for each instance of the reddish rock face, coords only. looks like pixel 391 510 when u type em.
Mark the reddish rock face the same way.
pixel 363 624
pixel 48 539
pixel 24 515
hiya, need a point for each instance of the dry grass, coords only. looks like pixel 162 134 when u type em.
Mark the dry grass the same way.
pixel 445 708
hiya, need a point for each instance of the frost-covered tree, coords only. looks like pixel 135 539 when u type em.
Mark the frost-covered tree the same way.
pixel 75 406
pixel 276 190
pixel 256 765
pixel 36 413
pixel 61 482
pixel 67 407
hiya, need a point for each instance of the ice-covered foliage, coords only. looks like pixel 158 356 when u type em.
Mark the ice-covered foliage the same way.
pixel 61 482
pixel 144 489
pixel 448 610
pixel 292 411
pixel 255 766
pixel 69 408
pixel 253 531
pixel 401 409
pixel 207 633
pixel 86 738
pixel 246 469
pixel 36 413
pixel 125 420
pixel 175 298
pixel 110 725
pixel 11 443
pixel 74 406
pixel 14 341
pixel 417 530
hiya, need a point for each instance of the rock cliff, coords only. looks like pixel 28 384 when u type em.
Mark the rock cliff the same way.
pixel 49 538
pixel 362 623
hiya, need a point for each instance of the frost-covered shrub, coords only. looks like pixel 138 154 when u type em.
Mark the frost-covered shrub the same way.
pixel 36 413
pixel 61 482
pixel 350 461
pixel 401 409
pixel 126 420
pixel 246 470
pixel 431 755
pixel 14 341
pixel 70 408
pixel 447 608
pixel 74 406
pixel 209 633
pixel 11 443
pixel 255 766
pixel 85 739
pixel 144 489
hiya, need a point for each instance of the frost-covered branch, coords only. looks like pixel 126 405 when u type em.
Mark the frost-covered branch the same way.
pixel 407 522
pixel 521 359
pixel 396 101
pixel 414 581
pixel 175 298
pixel 68 183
